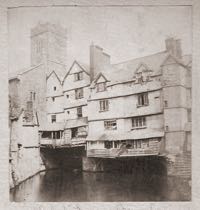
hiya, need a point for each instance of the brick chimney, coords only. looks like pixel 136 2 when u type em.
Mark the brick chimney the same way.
pixel 173 46
pixel 99 60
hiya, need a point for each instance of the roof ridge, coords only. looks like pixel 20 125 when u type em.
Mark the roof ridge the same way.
pixel 140 57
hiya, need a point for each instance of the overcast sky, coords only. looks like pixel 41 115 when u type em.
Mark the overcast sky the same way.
pixel 124 32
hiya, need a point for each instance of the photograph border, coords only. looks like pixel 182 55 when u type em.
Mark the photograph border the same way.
pixel 4 123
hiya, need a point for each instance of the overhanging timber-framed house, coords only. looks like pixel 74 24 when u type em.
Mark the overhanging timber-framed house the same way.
pixel 67 108
pixel 141 107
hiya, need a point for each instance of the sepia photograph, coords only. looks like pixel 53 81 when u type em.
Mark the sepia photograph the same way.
pixel 100 101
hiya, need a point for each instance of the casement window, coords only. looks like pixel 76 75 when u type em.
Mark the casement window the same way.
pixel 143 99
pixel 53 118
pixel 110 125
pixel 79 112
pixel 78 76
pixel 79 93
pixel 101 87
pixel 134 144
pixel 56 135
pixel 104 105
pixel 54 88
pixel 139 122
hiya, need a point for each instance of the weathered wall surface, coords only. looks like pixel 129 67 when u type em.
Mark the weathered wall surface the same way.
pixel 25 160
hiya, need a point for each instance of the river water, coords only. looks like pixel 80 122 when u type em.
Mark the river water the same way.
pixel 78 186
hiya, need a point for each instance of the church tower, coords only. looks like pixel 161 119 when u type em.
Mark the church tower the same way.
pixel 48 42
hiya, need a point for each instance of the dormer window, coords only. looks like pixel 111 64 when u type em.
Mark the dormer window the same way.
pixel 78 76
pixel 101 87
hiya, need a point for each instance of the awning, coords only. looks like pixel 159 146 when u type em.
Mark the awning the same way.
pixel 135 134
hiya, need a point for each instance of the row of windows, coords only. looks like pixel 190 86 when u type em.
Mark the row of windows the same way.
pixel 79 114
pixel 142 101
pixel 132 144
pixel 100 86
pixel 137 122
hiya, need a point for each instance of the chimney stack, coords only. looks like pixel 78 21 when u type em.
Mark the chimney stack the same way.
pixel 174 47
pixel 99 60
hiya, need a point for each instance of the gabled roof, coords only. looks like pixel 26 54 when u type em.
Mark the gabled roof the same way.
pixel 176 60
pixel 53 72
pixel 16 74
pixel 81 66
pixel 144 66
pixel 59 68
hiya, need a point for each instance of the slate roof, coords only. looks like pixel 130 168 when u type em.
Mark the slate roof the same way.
pixel 125 71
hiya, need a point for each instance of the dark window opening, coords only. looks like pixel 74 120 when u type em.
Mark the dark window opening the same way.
pixel 53 98
pixel 54 88
pixel 53 118
pixel 46 134
pixel 79 93
pixel 79 112
pixel 74 132
pixel 108 144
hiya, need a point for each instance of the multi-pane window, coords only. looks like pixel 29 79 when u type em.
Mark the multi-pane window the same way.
pixel 104 105
pixel 110 125
pixel 143 99
pixel 53 118
pixel 79 112
pixel 78 76
pixel 101 87
pixel 138 122
pixel 79 93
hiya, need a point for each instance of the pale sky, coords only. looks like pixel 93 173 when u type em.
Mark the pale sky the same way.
pixel 123 32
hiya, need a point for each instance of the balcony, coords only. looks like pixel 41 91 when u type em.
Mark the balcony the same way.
pixel 52 142
pixel 144 150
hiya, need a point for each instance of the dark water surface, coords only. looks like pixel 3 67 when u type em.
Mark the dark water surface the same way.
pixel 63 186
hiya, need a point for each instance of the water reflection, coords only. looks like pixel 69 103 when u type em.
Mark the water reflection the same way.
pixel 60 185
